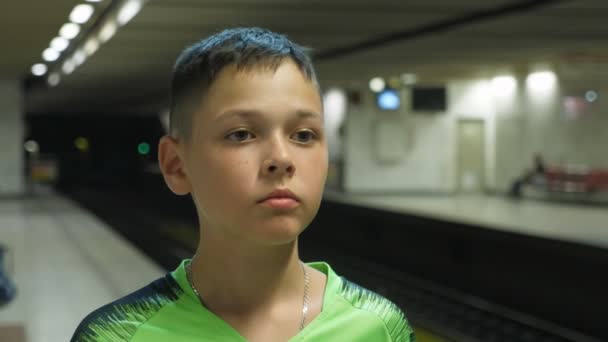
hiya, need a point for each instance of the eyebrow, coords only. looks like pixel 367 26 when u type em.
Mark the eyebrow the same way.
pixel 300 114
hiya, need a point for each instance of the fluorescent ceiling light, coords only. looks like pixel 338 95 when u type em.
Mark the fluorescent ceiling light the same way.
pixel 54 79
pixel 59 44
pixel 81 13
pixel 68 66
pixel 50 55
pixel 107 31
pixel 69 30
pixel 128 11
pixel 91 46
pixel 94 0
pixel 79 57
pixel 39 69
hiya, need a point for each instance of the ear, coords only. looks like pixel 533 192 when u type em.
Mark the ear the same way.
pixel 171 163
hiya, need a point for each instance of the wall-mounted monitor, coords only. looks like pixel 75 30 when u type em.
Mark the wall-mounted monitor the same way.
pixel 426 99
pixel 388 99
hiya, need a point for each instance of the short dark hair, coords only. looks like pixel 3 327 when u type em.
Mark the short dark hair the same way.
pixel 198 65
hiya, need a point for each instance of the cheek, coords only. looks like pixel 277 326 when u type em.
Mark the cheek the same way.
pixel 227 177
pixel 317 166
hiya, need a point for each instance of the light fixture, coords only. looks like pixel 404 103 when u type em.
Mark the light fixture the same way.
pixel 591 96
pixel 81 13
pixel 107 31
pixel 68 66
pixel 388 99
pixel 54 79
pixel 79 57
pixel 50 55
pixel 143 148
pixel 334 103
pixel 31 146
pixel 69 30
pixel 82 144
pixel 377 84
pixel 39 69
pixel 128 11
pixel 504 85
pixel 541 82
pixel 59 44
pixel 91 46
pixel 409 79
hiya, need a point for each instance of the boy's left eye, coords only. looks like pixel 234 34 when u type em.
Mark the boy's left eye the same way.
pixel 311 133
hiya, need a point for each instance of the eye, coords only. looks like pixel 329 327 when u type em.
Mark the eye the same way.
pixel 307 132
pixel 242 133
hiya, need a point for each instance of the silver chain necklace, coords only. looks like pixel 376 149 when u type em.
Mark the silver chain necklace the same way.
pixel 304 305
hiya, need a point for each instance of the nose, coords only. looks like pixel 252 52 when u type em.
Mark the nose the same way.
pixel 278 162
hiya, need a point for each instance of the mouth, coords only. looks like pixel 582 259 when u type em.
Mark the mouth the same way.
pixel 281 199
pixel 281 203
pixel 281 194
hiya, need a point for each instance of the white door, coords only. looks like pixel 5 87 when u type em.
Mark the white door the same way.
pixel 471 161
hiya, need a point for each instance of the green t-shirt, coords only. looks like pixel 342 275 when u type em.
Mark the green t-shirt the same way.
pixel 168 310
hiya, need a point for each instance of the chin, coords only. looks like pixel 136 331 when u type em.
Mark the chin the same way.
pixel 276 235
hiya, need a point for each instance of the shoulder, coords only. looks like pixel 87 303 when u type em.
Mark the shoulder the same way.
pixel 393 318
pixel 119 320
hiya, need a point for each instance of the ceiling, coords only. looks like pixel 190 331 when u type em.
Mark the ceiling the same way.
pixel 131 72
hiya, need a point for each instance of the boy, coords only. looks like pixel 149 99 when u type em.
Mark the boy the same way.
pixel 242 101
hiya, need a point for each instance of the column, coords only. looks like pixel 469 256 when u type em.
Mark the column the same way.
pixel 11 138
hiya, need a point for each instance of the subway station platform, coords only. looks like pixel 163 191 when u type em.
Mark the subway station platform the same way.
pixel 67 262
pixel 578 223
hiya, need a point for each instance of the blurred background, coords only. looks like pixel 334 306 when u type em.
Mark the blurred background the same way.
pixel 468 144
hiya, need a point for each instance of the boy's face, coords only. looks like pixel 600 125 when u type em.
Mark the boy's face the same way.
pixel 233 161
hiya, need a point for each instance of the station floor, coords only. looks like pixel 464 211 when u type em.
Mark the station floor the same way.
pixel 66 262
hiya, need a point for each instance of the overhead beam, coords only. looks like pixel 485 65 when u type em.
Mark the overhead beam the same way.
pixel 433 28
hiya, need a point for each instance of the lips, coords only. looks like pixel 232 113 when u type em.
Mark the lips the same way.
pixel 281 193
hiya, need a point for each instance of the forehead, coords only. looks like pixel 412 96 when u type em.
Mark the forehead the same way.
pixel 262 90
pixel 258 94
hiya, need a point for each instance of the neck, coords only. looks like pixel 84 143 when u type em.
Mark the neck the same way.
pixel 247 278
